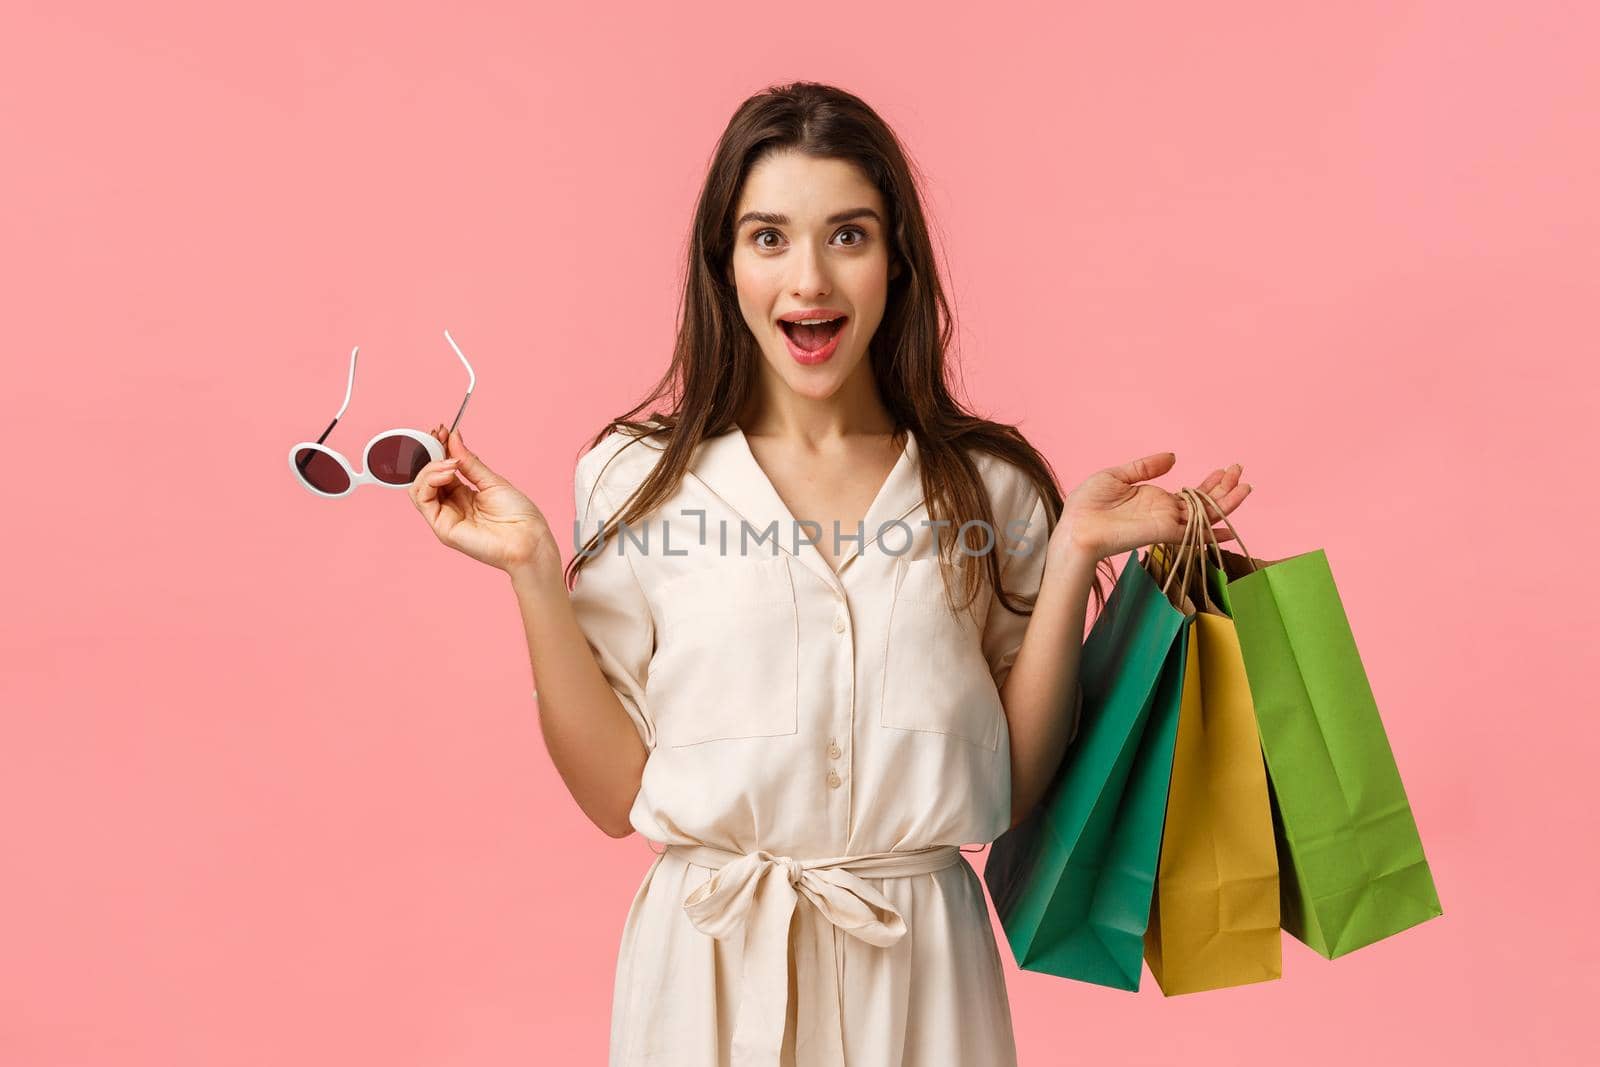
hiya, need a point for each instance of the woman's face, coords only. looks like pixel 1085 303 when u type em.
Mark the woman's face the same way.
pixel 810 243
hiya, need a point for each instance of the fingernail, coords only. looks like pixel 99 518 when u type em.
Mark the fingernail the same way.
pixel 451 461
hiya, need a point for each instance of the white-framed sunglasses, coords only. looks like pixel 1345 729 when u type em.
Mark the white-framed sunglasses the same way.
pixel 392 458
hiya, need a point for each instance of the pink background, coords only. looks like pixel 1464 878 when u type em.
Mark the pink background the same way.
pixel 272 787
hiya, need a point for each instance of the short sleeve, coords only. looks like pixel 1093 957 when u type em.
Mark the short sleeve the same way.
pixel 611 608
pixel 1022 574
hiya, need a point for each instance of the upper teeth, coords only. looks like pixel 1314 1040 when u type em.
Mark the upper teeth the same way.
pixel 810 322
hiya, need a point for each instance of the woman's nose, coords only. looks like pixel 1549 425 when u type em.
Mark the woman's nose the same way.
pixel 811 273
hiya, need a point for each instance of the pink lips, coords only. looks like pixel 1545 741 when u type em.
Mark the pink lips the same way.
pixel 813 356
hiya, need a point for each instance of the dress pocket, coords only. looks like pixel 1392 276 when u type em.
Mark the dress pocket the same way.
pixel 727 658
pixel 935 677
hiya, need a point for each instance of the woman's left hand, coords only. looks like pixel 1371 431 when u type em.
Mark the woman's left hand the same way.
pixel 1111 513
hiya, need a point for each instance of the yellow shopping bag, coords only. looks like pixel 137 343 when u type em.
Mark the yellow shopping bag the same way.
pixel 1214 917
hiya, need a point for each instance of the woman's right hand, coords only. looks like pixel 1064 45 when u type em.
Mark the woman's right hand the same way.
pixel 478 512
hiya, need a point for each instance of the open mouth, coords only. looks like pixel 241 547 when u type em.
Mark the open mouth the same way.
pixel 811 337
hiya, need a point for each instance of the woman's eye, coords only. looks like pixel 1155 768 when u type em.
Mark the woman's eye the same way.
pixel 857 232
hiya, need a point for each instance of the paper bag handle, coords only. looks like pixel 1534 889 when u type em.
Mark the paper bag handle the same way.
pixel 1172 563
pixel 1184 553
pixel 1203 495
pixel 1202 530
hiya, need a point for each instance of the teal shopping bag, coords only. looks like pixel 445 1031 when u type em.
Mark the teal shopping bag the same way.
pixel 1072 883
pixel 1353 869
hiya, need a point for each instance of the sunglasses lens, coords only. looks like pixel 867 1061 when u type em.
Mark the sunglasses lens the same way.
pixel 396 460
pixel 321 471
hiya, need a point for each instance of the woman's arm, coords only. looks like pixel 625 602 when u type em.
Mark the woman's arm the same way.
pixel 1040 694
pixel 1109 514
pixel 590 650
pixel 591 738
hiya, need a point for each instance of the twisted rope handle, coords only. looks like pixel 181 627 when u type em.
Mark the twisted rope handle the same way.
pixel 1206 497
pixel 1202 530
pixel 1182 550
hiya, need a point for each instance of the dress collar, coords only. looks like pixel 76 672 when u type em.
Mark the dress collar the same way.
pixel 726 466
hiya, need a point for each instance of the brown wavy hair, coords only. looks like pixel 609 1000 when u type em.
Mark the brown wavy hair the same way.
pixel 716 358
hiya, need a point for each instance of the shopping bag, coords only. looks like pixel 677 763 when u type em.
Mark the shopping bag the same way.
pixel 1072 882
pixel 1351 861
pixel 1214 919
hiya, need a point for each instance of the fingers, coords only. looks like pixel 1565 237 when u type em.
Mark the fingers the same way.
pixel 1230 494
pixel 430 480
pixel 442 435
pixel 1220 482
pixel 1234 499
pixel 1145 468
pixel 472 467
pixel 1223 487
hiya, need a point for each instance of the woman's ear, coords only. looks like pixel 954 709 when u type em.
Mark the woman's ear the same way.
pixel 894 268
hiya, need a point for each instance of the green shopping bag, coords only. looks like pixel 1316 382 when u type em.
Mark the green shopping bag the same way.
pixel 1352 867
pixel 1072 882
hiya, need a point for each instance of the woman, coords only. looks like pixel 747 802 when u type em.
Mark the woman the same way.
pixel 805 669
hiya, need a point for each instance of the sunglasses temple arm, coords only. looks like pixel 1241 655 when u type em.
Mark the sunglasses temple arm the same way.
pixel 329 430
pixel 459 411
pixel 472 379
pixel 305 460
pixel 349 387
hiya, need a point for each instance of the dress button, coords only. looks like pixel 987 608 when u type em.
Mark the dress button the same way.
pixel 833 780
pixel 838 624
pixel 834 751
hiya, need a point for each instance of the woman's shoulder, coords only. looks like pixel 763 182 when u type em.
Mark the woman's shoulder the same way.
pixel 621 460
pixel 1011 487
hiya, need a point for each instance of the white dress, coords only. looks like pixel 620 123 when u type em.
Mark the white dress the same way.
pixel 820 745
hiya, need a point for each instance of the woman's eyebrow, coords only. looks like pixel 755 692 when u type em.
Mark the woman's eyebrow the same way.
pixel 774 219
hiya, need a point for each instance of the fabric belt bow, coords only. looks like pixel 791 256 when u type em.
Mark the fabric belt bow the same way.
pixel 754 895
